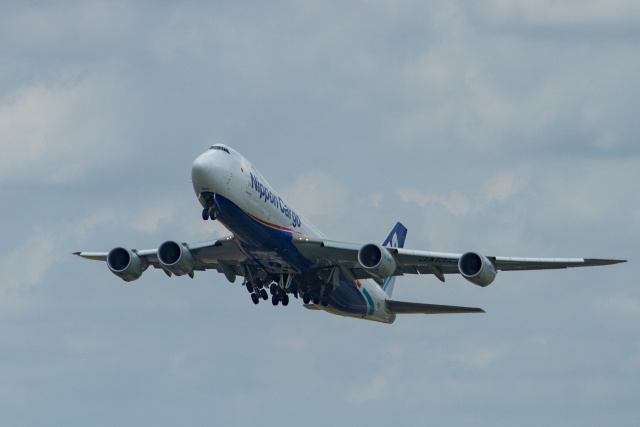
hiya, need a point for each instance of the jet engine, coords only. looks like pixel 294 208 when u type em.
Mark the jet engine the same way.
pixel 377 260
pixel 175 258
pixel 125 263
pixel 477 269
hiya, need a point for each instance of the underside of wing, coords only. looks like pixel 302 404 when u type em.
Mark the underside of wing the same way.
pixel 220 255
pixel 328 252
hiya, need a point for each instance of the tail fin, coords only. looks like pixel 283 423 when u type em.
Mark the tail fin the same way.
pixel 395 240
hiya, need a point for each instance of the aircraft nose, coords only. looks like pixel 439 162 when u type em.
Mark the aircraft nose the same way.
pixel 201 172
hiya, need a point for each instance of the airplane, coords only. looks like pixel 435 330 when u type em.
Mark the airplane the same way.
pixel 273 246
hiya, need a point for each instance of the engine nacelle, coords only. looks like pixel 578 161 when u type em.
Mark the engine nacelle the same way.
pixel 477 269
pixel 175 258
pixel 125 263
pixel 377 260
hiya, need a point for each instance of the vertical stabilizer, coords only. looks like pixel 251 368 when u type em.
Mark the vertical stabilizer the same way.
pixel 395 240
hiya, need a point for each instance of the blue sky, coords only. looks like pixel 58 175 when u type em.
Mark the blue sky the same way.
pixel 508 128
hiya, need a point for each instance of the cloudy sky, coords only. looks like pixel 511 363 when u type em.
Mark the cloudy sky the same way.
pixel 509 128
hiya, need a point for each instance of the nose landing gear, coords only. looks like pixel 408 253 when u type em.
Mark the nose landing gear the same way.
pixel 210 213
pixel 211 209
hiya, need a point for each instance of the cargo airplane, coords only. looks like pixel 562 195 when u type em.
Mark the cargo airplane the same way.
pixel 272 246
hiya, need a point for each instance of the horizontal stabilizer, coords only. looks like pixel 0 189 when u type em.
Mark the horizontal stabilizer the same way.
pixel 400 307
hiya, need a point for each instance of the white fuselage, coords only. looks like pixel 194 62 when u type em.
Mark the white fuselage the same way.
pixel 264 225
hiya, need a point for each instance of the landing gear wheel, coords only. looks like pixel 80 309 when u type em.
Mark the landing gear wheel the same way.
pixel 326 292
pixel 255 298
pixel 273 289
pixel 325 301
pixel 263 294
pixel 249 287
pixel 285 299
pixel 205 214
pixel 213 214
pixel 275 300
pixel 306 299
pixel 316 299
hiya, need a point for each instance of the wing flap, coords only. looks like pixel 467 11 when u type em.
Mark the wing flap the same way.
pixel 318 250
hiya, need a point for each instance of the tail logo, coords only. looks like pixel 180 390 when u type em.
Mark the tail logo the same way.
pixel 396 237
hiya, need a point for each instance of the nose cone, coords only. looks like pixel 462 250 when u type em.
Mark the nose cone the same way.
pixel 202 173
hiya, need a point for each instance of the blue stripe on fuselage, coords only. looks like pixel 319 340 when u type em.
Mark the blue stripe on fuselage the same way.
pixel 258 237
pixel 347 299
pixel 372 307
pixel 255 236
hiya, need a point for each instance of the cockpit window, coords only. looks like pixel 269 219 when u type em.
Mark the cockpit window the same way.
pixel 217 147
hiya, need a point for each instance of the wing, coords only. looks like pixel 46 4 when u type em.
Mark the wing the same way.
pixel 327 252
pixel 222 255
pixel 513 264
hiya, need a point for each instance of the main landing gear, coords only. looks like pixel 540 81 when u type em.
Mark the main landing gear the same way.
pixel 279 290
pixel 319 295
pixel 256 290
pixel 278 295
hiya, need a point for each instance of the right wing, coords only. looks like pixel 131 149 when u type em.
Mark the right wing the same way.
pixel 328 252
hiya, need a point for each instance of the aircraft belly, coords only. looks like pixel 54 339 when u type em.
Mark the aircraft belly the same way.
pixel 271 246
pixel 347 300
pixel 267 244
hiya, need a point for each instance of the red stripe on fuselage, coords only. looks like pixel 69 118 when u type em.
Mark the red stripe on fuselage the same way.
pixel 272 225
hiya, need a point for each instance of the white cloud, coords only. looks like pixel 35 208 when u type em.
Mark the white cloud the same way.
pixel 477 357
pixel 317 194
pixel 59 133
pixel 593 190
pixel 87 224
pixel 504 184
pixel 632 362
pixel 497 188
pixel 284 337
pixel 27 264
pixel 626 304
pixel 455 203
pixel 67 24
pixel 566 13
pixel 374 390
pixel 374 199
pixel 148 218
